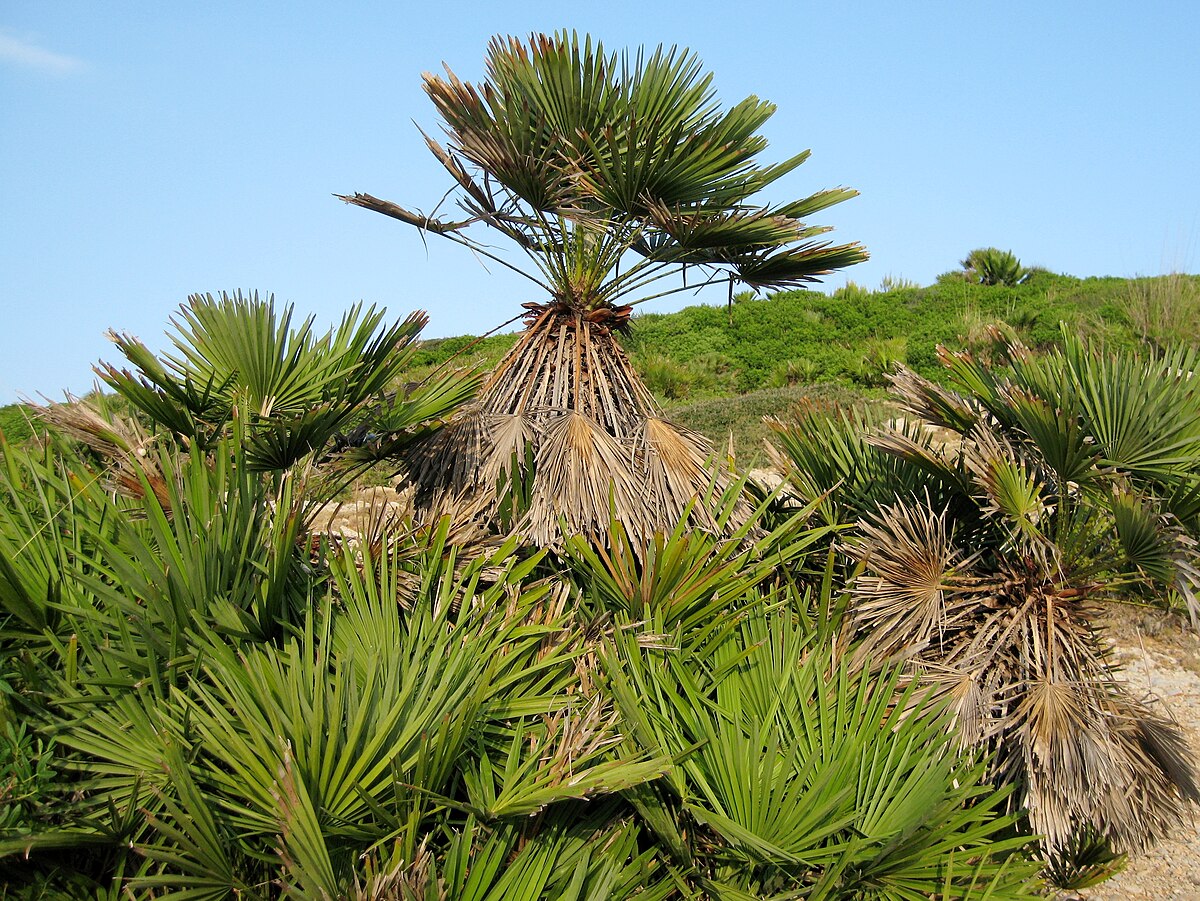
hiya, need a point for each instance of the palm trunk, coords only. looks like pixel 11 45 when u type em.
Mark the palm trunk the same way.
pixel 566 425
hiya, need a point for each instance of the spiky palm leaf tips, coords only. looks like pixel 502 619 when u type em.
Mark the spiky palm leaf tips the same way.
pixel 609 173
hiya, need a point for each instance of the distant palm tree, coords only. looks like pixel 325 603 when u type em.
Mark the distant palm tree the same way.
pixel 991 266
pixel 610 173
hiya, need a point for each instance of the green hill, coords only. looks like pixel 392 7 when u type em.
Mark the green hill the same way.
pixel 719 370
pixel 770 353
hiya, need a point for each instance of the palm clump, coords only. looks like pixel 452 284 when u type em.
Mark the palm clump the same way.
pixel 1057 481
pixel 205 699
pixel 238 367
pixel 610 173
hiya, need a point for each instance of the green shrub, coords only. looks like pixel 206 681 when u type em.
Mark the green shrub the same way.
pixel 799 371
pixel 852 290
pixel 877 358
pixel 664 376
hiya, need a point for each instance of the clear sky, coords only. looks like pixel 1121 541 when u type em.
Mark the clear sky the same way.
pixel 151 150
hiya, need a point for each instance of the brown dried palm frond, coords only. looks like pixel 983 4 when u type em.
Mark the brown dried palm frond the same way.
pixel 566 427
pixel 565 360
pixel 511 435
pixel 450 462
pixel 677 463
pixel 941 406
pixel 908 594
pixel 119 441
pixel 1014 654
pixel 584 478
pixel 1096 756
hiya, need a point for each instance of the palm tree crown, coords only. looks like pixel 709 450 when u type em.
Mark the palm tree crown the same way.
pixel 610 173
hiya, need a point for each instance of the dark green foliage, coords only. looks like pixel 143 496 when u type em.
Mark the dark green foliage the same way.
pixel 878 358
pixel 707 375
pixel 828 336
pixel 798 371
pixel 238 364
pixel 992 266
pixel 217 704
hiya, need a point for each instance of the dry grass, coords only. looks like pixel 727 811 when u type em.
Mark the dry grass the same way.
pixel 1165 310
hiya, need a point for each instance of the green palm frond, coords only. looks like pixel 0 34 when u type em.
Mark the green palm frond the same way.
pixel 850 462
pixel 195 853
pixel 1143 414
pixel 1011 486
pixel 1084 862
pixel 555 758
pixel 990 266
pixel 637 146
pixel 291 390
pixel 1057 430
pixel 804 776
pixel 797 266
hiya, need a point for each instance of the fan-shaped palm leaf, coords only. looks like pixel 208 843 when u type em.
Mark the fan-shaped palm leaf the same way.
pixel 609 172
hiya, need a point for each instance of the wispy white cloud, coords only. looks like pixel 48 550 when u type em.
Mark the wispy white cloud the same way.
pixel 28 55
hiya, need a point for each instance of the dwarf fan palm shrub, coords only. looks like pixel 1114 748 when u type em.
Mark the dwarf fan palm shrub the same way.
pixel 212 741
pixel 1057 481
pixel 609 173
pixel 238 364
pixel 990 266
pixel 227 709
pixel 798 773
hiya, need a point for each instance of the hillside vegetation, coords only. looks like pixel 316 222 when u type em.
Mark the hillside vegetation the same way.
pixel 719 370
pixel 768 353
pixel 712 351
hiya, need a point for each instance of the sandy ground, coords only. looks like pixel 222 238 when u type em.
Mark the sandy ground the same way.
pixel 1159 656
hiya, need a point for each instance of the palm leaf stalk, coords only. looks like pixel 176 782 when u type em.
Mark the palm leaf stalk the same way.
pixel 609 174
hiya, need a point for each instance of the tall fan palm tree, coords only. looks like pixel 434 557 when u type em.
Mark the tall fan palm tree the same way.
pixel 610 173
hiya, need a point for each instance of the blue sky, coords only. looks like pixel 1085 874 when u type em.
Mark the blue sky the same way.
pixel 152 150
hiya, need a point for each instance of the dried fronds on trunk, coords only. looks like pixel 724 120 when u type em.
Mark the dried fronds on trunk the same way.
pixel 1027 678
pixel 563 437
